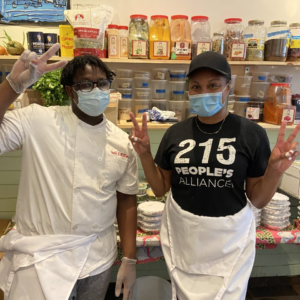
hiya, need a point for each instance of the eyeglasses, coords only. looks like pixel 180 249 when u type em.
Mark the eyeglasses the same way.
pixel 87 86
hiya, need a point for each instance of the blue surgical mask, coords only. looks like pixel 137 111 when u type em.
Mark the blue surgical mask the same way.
pixel 93 103
pixel 207 105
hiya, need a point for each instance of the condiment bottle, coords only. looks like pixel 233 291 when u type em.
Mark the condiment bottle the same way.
pixel 218 43
pixel 113 41
pixel 294 50
pixel 159 37
pixel 123 42
pixel 254 111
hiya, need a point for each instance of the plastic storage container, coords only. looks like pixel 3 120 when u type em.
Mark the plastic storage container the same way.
pixel 113 41
pixel 143 74
pixel 177 75
pixel 124 83
pixel 218 43
pixel 294 49
pixel 255 36
pixel 141 106
pixel 160 73
pixel 235 44
pixel 126 93
pixel 142 93
pixel 180 38
pixel 277 44
pixel 201 41
pixel 260 76
pixel 258 90
pixel 178 108
pixel 160 104
pixel 278 106
pixel 159 89
pixel 123 42
pixel 125 107
pixel 142 82
pixel 242 85
pixel 124 73
pixel 240 107
pixel 177 90
pixel 230 102
pixel 138 36
pixel 280 78
pixel 254 111
pixel 233 80
pixel 159 37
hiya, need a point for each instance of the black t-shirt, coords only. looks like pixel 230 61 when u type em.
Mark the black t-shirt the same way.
pixel 209 170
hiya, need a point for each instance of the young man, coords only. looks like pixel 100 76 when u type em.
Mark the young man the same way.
pixel 78 172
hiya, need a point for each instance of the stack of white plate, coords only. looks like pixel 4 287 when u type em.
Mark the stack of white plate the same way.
pixel 276 214
pixel 257 215
pixel 142 194
pixel 149 216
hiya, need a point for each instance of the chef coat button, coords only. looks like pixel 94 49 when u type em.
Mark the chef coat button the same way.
pixel 79 154
pixel 100 130
pixel 75 227
pixel 95 226
pixel 100 158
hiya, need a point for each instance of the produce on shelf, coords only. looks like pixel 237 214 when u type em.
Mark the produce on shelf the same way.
pixel 13 47
pixel 3 51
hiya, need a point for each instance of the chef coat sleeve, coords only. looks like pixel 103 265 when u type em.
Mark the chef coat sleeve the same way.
pixel 14 127
pixel 128 183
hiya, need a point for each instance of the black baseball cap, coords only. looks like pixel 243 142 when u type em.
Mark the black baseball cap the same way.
pixel 211 60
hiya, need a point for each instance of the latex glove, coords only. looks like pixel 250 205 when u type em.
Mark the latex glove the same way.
pixel 126 276
pixel 29 68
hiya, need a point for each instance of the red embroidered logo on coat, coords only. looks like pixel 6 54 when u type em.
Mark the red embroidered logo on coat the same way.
pixel 119 154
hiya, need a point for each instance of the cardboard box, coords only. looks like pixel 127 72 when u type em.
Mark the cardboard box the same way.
pixel 290 182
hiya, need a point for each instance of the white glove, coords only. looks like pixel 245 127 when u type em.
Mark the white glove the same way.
pixel 28 69
pixel 126 276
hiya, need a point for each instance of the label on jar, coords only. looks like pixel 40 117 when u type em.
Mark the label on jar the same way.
pixel 125 85
pixel 252 113
pixel 178 92
pixel 262 78
pixel 245 85
pixel 260 94
pixel 123 47
pixel 203 47
pixel 139 48
pixel 182 48
pixel 112 46
pixel 124 113
pixel 160 91
pixel 161 75
pixel 288 114
pixel 127 96
pixel 256 44
pixel 145 84
pixel 238 50
pixel 142 94
pixel 140 111
pixel 295 42
pixel 160 49
pixel 278 33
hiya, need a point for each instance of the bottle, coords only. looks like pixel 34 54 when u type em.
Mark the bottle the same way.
pixel 123 42
pixel 113 41
pixel 218 43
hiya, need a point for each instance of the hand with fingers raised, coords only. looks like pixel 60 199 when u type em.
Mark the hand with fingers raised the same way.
pixel 29 68
pixel 139 136
pixel 285 151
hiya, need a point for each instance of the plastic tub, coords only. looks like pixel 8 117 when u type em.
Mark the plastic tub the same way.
pixel 124 73
pixel 160 73
pixel 125 107
pixel 178 108
pixel 233 80
pixel 245 98
pixel 159 88
pixel 160 104
pixel 189 112
pixel 142 93
pixel 258 90
pixel 280 78
pixel 260 76
pixel 230 102
pixel 140 107
pixel 177 75
pixel 143 74
pixel 240 108
pixel 124 83
pixel 242 85
pixel 177 90
pixel 126 93
pixel 141 82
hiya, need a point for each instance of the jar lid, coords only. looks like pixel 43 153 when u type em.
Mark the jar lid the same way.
pixel 138 17
pixel 180 17
pixel 280 84
pixel 113 26
pixel 294 25
pixel 256 22
pixel 199 18
pixel 279 22
pixel 233 20
pixel 159 17
pixel 218 33
pixel 123 27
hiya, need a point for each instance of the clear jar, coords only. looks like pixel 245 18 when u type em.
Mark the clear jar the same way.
pixel 294 49
pixel 138 36
pixel 276 46
pixel 235 44
pixel 113 41
pixel 218 43
pixel 159 37
pixel 201 41
pixel 255 36
pixel 123 42
pixel 180 38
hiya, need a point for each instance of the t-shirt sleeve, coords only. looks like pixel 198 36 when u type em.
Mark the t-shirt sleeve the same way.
pixel 162 157
pixel 260 153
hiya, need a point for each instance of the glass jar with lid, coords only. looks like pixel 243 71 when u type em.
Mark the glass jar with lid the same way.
pixel 138 36
pixel 218 42
pixel 180 37
pixel 201 41
pixel 277 44
pixel 123 42
pixel 235 44
pixel 255 36
pixel 294 49
pixel 159 37
pixel 278 106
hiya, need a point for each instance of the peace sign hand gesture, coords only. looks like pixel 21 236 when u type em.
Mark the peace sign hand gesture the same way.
pixel 29 68
pixel 284 152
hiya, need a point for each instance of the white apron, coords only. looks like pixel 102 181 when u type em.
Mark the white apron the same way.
pixel 208 258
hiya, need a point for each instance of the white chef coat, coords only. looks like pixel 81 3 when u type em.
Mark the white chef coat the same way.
pixel 69 177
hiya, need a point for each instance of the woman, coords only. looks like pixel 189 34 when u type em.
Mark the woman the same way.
pixel 208 229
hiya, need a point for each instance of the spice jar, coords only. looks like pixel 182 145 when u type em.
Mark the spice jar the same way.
pixel 138 36
pixel 255 36
pixel 159 37
pixel 235 44
pixel 180 38
pixel 294 50
pixel 123 42
pixel 218 43
pixel 278 105
pixel 201 41
pixel 254 111
pixel 296 104
pixel 113 37
pixel 276 46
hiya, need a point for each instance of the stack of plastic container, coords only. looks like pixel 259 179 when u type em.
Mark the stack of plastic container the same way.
pixel 230 100
pixel 242 94
pixel 275 215
pixel 142 92
pixel 160 88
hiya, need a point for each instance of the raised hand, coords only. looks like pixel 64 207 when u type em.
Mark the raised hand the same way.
pixel 29 68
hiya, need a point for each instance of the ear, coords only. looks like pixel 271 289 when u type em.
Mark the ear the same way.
pixel 69 91
pixel 228 86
